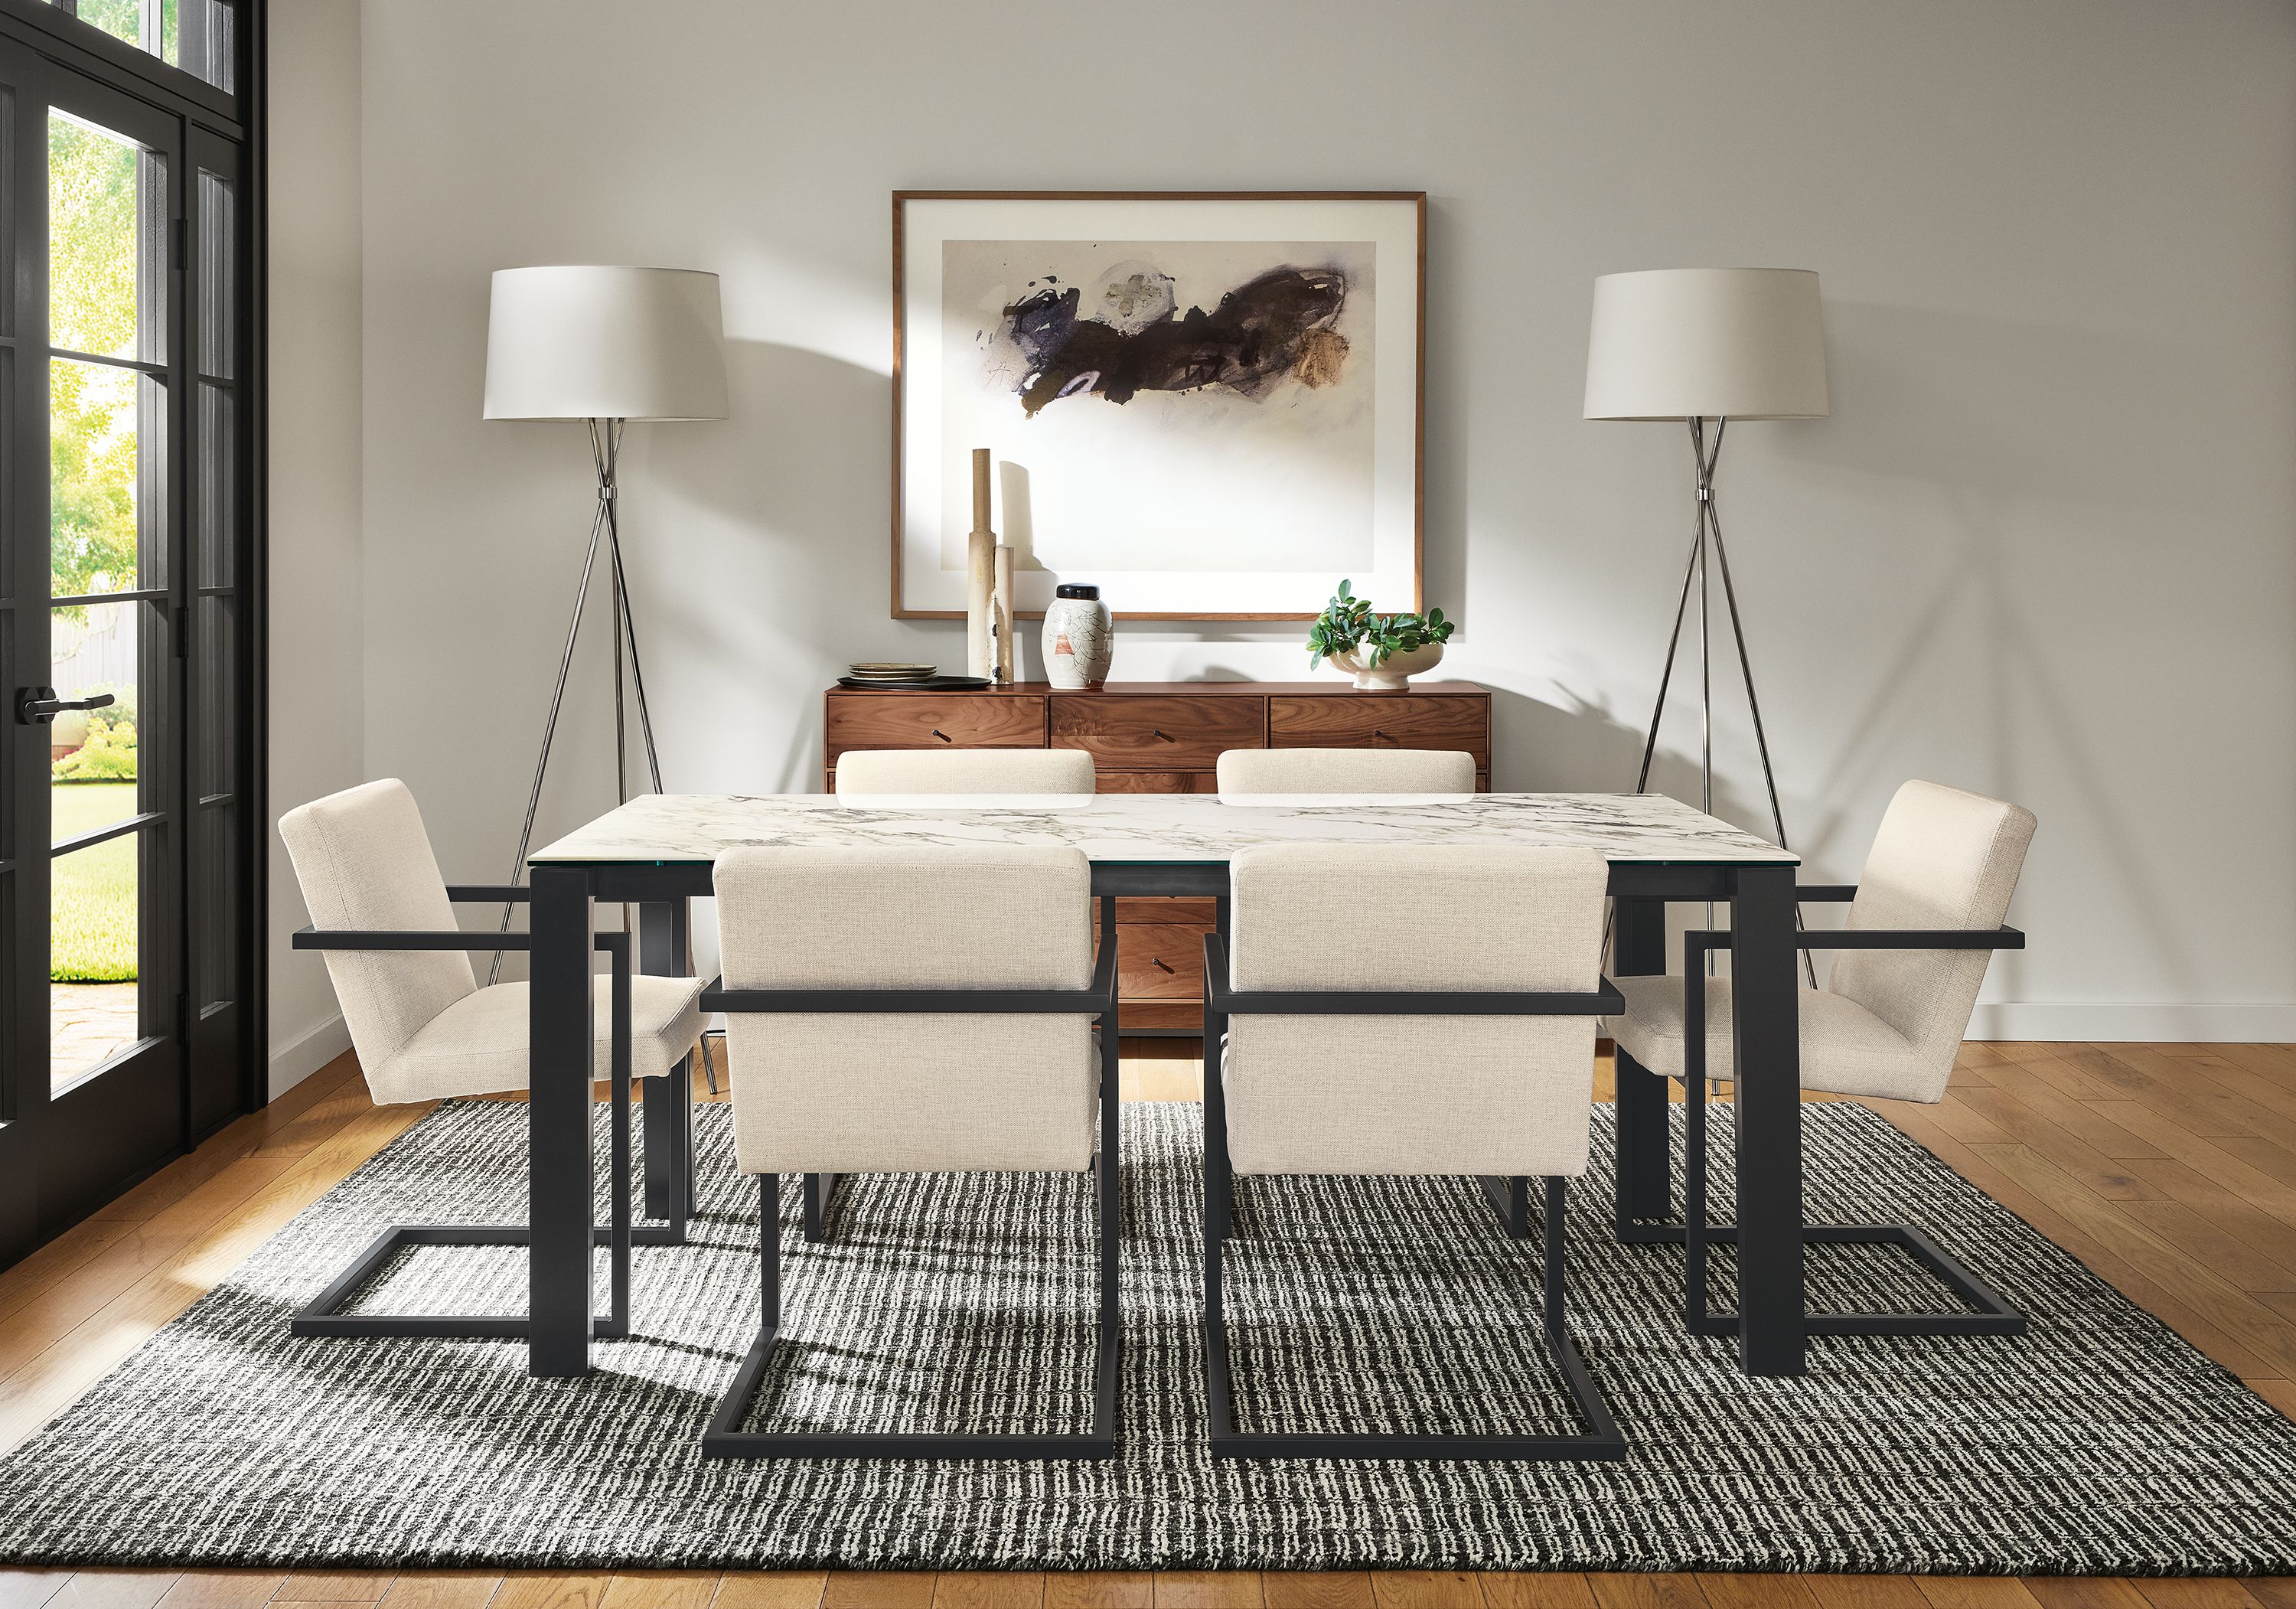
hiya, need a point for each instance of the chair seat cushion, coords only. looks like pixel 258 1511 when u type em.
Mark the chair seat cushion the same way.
pixel 478 1045
pixel 1845 1048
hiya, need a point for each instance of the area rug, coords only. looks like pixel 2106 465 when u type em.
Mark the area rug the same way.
pixel 2099 1442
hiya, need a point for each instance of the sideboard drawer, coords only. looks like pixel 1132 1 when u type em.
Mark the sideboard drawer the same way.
pixel 1159 962
pixel 1168 734
pixel 928 720
pixel 1382 721
pixel 1156 782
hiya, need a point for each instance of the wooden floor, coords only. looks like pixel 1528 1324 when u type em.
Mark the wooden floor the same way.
pixel 2170 1169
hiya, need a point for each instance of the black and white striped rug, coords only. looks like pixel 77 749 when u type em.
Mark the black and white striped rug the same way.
pixel 2098 1442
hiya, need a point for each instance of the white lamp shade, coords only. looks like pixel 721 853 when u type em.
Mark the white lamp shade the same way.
pixel 606 343
pixel 1707 344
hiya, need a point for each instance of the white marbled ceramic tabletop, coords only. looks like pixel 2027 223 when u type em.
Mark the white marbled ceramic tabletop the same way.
pixel 686 828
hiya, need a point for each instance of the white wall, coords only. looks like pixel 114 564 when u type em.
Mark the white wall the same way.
pixel 318 701
pixel 2043 548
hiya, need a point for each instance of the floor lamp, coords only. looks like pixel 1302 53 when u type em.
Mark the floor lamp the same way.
pixel 601 347
pixel 1703 345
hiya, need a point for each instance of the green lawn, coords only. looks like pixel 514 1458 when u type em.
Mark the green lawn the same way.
pixel 91 897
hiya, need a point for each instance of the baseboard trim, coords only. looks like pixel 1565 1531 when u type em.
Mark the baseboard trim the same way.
pixel 2140 1021
pixel 292 1065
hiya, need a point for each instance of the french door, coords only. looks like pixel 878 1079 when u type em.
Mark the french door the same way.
pixel 124 550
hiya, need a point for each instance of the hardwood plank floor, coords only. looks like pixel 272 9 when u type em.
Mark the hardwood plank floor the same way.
pixel 2170 1169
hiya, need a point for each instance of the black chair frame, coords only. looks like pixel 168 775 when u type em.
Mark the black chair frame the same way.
pixel 1604 1442
pixel 725 1439
pixel 1993 1316
pixel 322 1315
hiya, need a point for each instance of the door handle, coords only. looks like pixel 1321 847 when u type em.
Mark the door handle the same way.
pixel 38 706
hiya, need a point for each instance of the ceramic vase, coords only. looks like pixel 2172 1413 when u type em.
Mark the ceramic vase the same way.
pixel 1078 639
pixel 1393 674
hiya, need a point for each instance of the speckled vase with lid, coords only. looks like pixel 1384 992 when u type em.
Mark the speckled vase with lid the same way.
pixel 1078 638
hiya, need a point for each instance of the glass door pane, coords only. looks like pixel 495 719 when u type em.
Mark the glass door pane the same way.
pixel 195 35
pixel 212 737
pixel 107 500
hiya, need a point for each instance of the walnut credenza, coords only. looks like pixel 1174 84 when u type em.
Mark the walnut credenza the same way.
pixel 1163 737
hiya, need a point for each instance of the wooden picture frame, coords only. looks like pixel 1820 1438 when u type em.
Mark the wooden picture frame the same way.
pixel 1330 425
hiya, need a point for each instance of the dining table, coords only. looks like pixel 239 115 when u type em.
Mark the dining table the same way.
pixel 656 853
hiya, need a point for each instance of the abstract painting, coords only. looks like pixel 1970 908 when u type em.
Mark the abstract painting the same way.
pixel 1207 406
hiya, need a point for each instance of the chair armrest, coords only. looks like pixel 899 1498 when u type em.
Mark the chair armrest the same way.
pixel 375 938
pixel 1225 1001
pixel 616 945
pixel 488 893
pixel 1096 1001
pixel 1941 937
pixel 1805 893
pixel 1697 942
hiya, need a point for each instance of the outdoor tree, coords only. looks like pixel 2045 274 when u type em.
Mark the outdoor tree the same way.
pixel 92 408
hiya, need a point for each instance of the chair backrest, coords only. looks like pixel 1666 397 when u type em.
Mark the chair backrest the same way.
pixel 894 1091
pixel 1414 1094
pixel 1347 771
pixel 965 771
pixel 1942 858
pixel 364 863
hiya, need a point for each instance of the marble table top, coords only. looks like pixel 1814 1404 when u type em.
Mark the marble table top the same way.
pixel 1158 828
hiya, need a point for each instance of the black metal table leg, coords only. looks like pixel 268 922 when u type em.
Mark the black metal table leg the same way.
pixel 1767 1048
pixel 560 1051
pixel 1645 1142
pixel 662 927
pixel 1219 1178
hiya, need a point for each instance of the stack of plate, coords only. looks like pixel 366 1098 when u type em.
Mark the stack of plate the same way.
pixel 875 674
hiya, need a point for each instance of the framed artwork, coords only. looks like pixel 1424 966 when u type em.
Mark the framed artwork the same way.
pixel 1209 405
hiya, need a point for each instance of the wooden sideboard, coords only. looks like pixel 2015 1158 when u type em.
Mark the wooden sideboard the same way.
pixel 1163 737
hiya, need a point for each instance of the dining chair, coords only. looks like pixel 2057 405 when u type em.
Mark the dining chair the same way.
pixel 964 771
pixel 922 1008
pixel 1015 772
pixel 1924 919
pixel 425 1030
pixel 1462 1044
pixel 1347 771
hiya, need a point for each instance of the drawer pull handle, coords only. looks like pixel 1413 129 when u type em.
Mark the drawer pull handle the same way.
pixel 1375 732
pixel 1158 731
pixel 944 736
pixel 1159 960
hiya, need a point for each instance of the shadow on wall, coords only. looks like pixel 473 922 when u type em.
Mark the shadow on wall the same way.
pixel 1585 748
pixel 1997 415
pixel 1953 399
pixel 805 580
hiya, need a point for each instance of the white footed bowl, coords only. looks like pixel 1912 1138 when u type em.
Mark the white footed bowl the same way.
pixel 1393 674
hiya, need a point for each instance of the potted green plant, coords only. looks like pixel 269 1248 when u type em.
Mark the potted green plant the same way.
pixel 1383 651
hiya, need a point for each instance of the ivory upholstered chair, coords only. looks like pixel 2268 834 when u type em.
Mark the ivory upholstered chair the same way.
pixel 964 771
pixel 425 1030
pixel 1347 771
pixel 1497 1002
pixel 894 771
pixel 926 1009
pixel 1923 921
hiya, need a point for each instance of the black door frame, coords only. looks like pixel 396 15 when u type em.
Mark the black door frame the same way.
pixel 55 49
